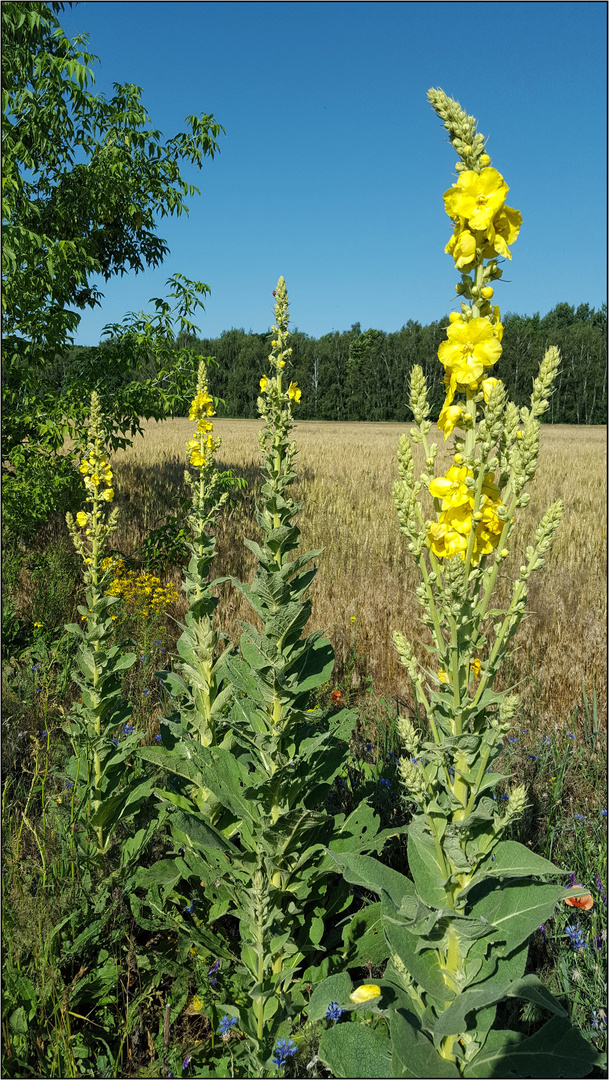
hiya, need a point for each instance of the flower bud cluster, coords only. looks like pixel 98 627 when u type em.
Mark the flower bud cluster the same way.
pixel 542 385
pixel 412 780
pixel 97 476
pixel 409 735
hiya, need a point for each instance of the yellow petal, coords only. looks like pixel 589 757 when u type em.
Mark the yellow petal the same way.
pixel 367 992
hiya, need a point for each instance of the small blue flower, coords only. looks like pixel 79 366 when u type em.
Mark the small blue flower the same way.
pixel 542 928
pixel 533 757
pixel 190 908
pixel 143 657
pixel 226 1024
pixel 390 756
pixel 115 741
pixel 510 739
pixel 576 937
pixel 570 736
pixel 185 1063
pixel 284 1048
pixel 368 746
pixel 524 730
pixel 145 691
pixel 44 734
pixel 384 782
pixel 546 738
pixel 505 796
pixel 603 813
pixel 580 817
pixel 157 738
pixel 334 1011
pixel 157 642
pixel 128 729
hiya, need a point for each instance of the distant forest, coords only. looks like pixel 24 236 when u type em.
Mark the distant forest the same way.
pixel 364 374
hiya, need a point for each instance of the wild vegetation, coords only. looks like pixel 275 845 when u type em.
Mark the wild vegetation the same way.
pixel 242 834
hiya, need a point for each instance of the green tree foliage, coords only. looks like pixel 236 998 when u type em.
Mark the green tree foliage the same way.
pixel 357 375
pixel 85 181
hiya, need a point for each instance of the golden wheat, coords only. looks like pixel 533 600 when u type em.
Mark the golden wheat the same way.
pixel 346 471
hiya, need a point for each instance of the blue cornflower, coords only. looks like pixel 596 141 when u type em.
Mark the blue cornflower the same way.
pixel 603 813
pixel 368 746
pixel 43 734
pixel 546 738
pixel 38 689
pixel 505 796
pixel 115 741
pixel 533 757
pixel 143 657
pixel 510 739
pixel 157 642
pixel 128 729
pixel 334 1011
pixel 68 784
pixel 190 908
pixel 36 667
pixel 570 736
pixel 580 817
pixel 226 1024
pixel 157 738
pixel 390 756
pixel 145 691
pixel 384 782
pixel 524 730
pixel 284 1048
pixel 576 937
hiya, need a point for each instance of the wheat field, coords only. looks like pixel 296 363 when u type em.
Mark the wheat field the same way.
pixel 346 471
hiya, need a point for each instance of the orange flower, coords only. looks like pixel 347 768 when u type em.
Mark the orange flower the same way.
pixel 336 695
pixel 585 902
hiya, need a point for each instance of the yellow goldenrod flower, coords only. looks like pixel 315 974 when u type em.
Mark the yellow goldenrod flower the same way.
pixel 367 992
pixel 293 392
pixel 477 197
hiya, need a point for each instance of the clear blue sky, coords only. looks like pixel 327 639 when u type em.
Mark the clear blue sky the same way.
pixel 333 165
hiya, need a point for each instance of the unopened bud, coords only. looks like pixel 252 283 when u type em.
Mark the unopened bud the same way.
pixel 485 160
pixel 488 292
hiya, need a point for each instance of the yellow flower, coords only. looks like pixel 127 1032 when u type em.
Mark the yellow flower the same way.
pixel 487 386
pixel 84 468
pixel 282 364
pixel 203 405
pixel 81 518
pixel 367 992
pixel 462 247
pixel 38 626
pixel 293 392
pixel 488 292
pixel 501 231
pixel 108 494
pixel 477 197
pixel 443 676
pixel 471 347
pixel 451 488
pixel 449 419
pixel 263 384
pixel 446 542
pixel 475 667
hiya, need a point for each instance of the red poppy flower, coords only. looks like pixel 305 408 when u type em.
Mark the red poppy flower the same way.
pixel 585 902
pixel 336 695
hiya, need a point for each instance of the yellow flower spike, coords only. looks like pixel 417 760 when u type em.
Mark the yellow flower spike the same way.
pixel 367 992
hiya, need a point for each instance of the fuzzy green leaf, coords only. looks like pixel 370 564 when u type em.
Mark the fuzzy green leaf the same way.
pixel 363 938
pixel 428 874
pixel 415 1052
pixel 372 874
pixel 556 1050
pixel 511 859
pixel 335 988
pixel 353 1050
pixel 514 911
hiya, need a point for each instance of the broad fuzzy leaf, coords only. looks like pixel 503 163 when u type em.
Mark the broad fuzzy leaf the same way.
pixel 354 1050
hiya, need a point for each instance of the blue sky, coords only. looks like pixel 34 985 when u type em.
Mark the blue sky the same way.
pixel 333 165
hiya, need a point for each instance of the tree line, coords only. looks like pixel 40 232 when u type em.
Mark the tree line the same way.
pixel 364 374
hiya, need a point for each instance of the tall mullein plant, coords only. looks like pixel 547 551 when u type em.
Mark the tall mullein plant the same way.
pixel 199 684
pixel 263 853
pixel 102 746
pixel 457 931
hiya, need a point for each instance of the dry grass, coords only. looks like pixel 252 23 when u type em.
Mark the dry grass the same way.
pixel 346 474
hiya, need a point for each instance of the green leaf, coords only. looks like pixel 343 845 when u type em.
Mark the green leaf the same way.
pixel 428 874
pixel 515 860
pixel 556 1050
pixel 423 966
pixel 515 911
pixel 364 939
pixel 334 988
pixel 416 1053
pixel 453 1020
pixel 372 874
pixel 355 1050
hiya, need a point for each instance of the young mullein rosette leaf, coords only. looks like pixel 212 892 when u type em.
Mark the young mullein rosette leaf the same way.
pixel 457 930
pixel 198 686
pixel 103 739
pixel 265 857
